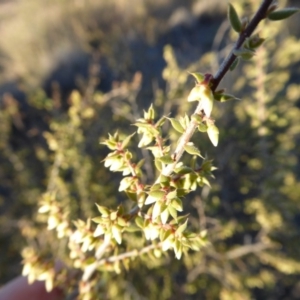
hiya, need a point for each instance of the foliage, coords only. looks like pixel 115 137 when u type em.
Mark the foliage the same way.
pixel 236 239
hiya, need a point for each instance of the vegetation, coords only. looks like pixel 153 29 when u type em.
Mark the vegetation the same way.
pixel 207 198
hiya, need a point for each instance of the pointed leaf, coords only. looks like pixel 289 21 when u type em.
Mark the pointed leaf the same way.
pixel 199 76
pixel 176 125
pixel 166 159
pixel 103 210
pixel 181 228
pixel 244 53
pixel 282 14
pixel 127 140
pixel 164 216
pixel 157 208
pixel 139 222
pixel 192 149
pixel 234 19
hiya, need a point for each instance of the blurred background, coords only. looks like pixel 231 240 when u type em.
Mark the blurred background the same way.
pixel 121 57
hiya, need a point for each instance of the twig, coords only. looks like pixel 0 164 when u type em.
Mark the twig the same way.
pixel 247 249
pixel 89 271
pixel 185 138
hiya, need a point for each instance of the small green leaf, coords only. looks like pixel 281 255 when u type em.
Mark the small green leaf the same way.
pixel 234 64
pixel 164 234
pixel 202 127
pixel 160 122
pixel 122 222
pixel 166 159
pixel 197 118
pixel 127 140
pixel 99 231
pixel 282 14
pixel 199 76
pixel 158 165
pixel 225 97
pixel 151 113
pixel 192 149
pixel 139 222
pixel 213 134
pixel 207 100
pixel 176 125
pixel 178 249
pixel 172 211
pixel 157 194
pixel 244 53
pixel 116 232
pixel 125 183
pixel 195 94
pixel 234 19
pixel 168 242
pixel 103 210
pixel 157 209
pixel 255 41
pixel 164 216
pixel 150 200
pixel 177 204
pixel 145 140
pixel 181 228
pixel 182 170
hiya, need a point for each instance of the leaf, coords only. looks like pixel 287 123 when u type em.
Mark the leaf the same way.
pixel 172 211
pixel 234 19
pixel 157 194
pixel 213 134
pixel 234 64
pixel 176 125
pixel 207 100
pixel 199 76
pixel 197 118
pixel 178 249
pixel 244 53
pixel 255 41
pixel 150 200
pixel 166 159
pixel 192 149
pixel 145 140
pixel 127 140
pixel 181 228
pixel 202 127
pixel 182 170
pixel 164 216
pixel 139 222
pixel 103 210
pixel 99 231
pixel 195 94
pixel 225 97
pixel 160 122
pixel 158 165
pixel 168 242
pixel 125 183
pixel 282 14
pixel 116 232
pixel 157 209
pixel 177 204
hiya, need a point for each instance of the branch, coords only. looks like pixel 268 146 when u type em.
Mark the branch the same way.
pixel 90 269
pixel 247 249
pixel 259 16
pixel 185 138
